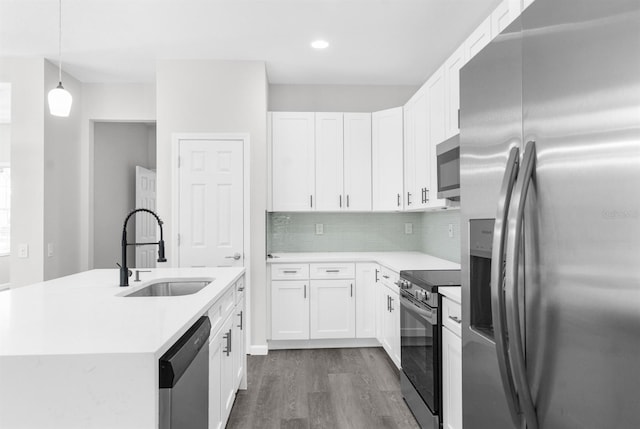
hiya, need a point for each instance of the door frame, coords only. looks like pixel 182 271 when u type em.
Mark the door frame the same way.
pixel 244 140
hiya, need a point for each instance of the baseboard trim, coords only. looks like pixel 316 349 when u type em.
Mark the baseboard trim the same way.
pixel 323 344
pixel 258 350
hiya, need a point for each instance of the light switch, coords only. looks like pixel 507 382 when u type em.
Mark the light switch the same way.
pixel 408 228
pixel 319 228
pixel 49 250
pixel 23 250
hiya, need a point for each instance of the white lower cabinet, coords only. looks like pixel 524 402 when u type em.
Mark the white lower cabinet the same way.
pixel 227 382
pixel 389 309
pixel 451 378
pixel 333 309
pixel 289 310
pixel 366 300
pixel 238 345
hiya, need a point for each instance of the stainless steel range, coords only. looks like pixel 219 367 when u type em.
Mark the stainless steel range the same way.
pixel 420 344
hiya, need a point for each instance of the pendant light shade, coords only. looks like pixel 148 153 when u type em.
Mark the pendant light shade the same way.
pixel 60 99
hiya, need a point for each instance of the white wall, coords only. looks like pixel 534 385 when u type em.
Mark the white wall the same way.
pixel 337 98
pixel 62 165
pixel 200 96
pixel 27 162
pixel 118 149
pixel 117 102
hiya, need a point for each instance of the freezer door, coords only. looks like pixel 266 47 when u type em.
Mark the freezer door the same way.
pixel 491 125
pixel 581 92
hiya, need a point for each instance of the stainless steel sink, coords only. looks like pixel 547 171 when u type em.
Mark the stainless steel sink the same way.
pixel 171 288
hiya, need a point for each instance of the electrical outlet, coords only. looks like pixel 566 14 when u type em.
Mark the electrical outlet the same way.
pixel 49 250
pixel 450 230
pixel 408 228
pixel 319 228
pixel 23 250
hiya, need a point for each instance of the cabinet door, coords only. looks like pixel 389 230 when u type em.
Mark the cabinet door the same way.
pixel 422 153
pixel 216 345
pixel 227 382
pixel 387 135
pixel 478 39
pixel 366 300
pixel 503 15
pixel 437 115
pixel 357 161
pixel 381 305
pixel 332 309
pixel 451 380
pixel 329 162
pixel 238 343
pixel 289 310
pixel 409 149
pixel 292 158
pixel 385 319
pixel 394 327
pixel 452 91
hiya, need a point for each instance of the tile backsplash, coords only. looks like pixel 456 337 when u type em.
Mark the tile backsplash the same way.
pixel 365 232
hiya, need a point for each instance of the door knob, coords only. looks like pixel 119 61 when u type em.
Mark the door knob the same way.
pixel 235 256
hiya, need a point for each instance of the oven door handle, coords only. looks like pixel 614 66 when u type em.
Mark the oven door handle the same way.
pixel 514 241
pixel 428 314
pixel 497 284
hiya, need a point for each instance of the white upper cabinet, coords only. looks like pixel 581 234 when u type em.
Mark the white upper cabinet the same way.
pixel 478 39
pixel 436 96
pixel 329 162
pixel 452 91
pixel 387 136
pixel 503 15
pixel 357 162
pixel 417 179
pixel 293 161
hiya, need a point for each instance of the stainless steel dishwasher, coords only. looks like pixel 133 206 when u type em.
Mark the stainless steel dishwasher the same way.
pixel 184 380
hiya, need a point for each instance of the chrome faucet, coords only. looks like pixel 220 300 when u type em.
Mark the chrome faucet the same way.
pixel 125 272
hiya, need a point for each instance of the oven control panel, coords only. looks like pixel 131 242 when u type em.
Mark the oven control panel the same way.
pixel 420 294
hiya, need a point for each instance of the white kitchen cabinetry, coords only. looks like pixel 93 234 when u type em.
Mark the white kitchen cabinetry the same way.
pixel 366 300
pixel 238 344
pixel 417 178
pixel 333 309
pixel 329 164
pixel 293 161
pixel 451 369
pixel 452 91
pixel 357 162
pixel 480 38
pixel 387 157
pixel 436 96
pixel 289 309
pixel 503 15
pixel 227 379
pixel 389 306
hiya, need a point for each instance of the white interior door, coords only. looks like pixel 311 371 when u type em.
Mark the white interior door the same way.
pixel 211 203
pixel 146 225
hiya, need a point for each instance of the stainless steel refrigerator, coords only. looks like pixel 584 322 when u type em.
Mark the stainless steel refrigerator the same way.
pixel 550 220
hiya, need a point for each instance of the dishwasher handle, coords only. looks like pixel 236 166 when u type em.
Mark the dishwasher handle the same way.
pixel 175 362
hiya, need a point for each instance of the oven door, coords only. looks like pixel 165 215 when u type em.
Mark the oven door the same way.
pixel 419 339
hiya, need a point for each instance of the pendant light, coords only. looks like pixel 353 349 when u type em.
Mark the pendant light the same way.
pixel 59 98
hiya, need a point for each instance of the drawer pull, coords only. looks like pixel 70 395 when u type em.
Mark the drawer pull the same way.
pixel 290 271
pixel 332 271
pixel 386 277
pixel 456 319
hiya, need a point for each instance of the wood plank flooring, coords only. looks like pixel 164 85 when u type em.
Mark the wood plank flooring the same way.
pixel 321 388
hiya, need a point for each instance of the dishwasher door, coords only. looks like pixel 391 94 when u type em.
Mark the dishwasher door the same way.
pixel 184 380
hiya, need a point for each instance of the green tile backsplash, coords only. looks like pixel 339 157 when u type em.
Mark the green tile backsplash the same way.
pixel 365 232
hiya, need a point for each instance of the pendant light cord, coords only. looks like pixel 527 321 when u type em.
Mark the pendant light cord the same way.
pixel 60 41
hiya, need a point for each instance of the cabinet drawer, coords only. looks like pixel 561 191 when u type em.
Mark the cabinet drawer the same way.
pixel 389 277
pixel 219 311
pixel 452 316
pixel 332 271
pixel 289 271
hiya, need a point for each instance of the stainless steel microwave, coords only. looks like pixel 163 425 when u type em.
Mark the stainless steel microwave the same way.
pixel 448 161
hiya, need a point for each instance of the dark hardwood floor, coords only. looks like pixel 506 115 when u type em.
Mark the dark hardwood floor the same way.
pixel 321 388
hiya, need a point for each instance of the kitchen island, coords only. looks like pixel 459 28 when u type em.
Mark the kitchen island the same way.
pixel 76 353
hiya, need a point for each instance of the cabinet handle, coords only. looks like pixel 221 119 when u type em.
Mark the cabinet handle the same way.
pixel 408 198
pixel 351 290
pixel 456 319
pixel 377 279
pixel 290 271
pixel 340 197
pixel 398 200
pixel 424 195
pixel 388 303
pixel 305 291
pixel 332 271
pixel 391 304
pixel 386 277
pixel 347 201
pixel 240 325
pixel 227 337
pixel 311 200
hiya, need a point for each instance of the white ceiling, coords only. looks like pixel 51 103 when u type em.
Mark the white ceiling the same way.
pixel 373 42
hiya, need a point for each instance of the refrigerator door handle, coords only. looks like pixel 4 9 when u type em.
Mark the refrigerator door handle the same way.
pixel 514 241
pixel 497 283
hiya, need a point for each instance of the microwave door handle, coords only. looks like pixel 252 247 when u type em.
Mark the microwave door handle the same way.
pixel 497 285
pixel 514 241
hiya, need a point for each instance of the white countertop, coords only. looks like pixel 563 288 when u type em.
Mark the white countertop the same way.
pixel 395 261
pixel 452 292
pixel 84 314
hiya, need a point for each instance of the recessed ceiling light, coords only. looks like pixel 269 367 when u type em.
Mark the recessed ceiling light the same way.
pixel 320 44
